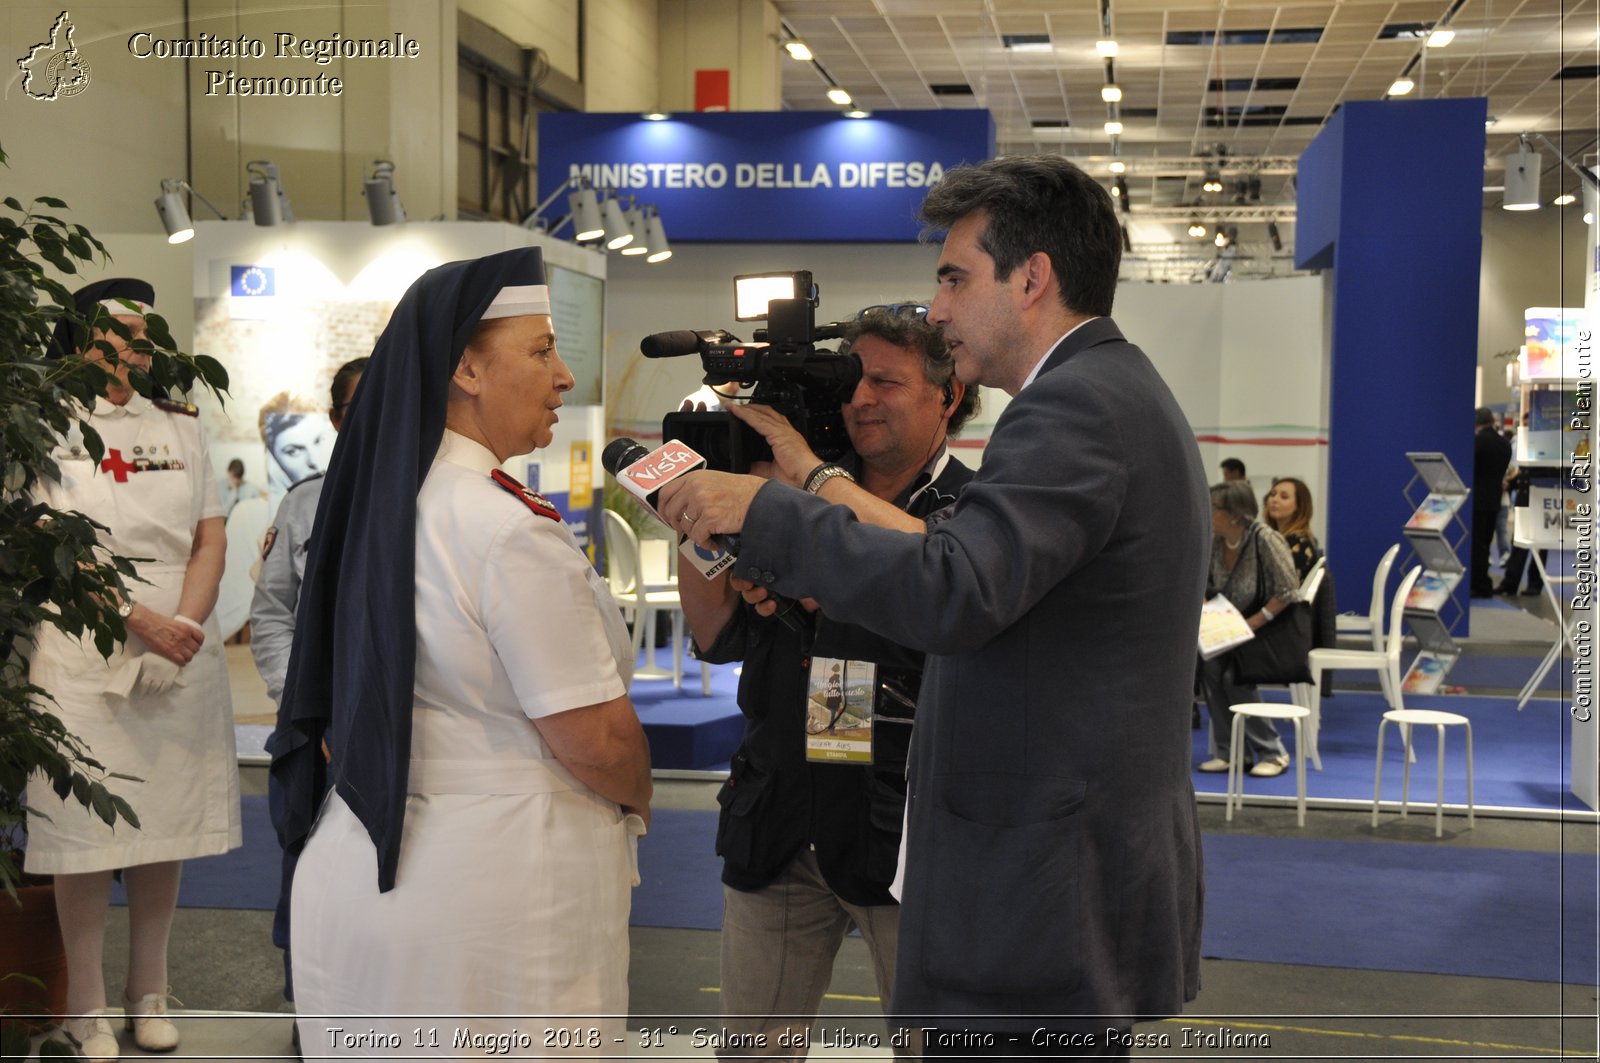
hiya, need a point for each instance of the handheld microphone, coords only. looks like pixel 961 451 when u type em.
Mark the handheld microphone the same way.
pixel 643 473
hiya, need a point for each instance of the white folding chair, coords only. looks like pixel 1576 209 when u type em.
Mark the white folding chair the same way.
pixel 1300 693
pixel 1386 663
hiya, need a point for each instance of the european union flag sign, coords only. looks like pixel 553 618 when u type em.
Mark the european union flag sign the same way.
pixel 252 281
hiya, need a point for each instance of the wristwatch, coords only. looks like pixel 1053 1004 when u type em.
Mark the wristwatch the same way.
pixel 823 473
pixel 125 610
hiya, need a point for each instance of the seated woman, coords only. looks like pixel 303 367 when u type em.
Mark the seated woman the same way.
pixel 474 853
pixel 1251 567
pixel 1288 512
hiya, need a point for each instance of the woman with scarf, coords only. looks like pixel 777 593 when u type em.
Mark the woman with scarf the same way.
pixel 487 777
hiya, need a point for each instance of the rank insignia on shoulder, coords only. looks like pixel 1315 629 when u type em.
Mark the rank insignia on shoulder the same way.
pixel 188 409
pixel 529 497
pixel 266 543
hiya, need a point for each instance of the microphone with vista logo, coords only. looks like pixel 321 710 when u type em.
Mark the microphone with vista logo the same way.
pixel 643 473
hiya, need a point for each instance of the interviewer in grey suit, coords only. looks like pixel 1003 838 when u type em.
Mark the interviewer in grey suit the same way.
pixel 1053 855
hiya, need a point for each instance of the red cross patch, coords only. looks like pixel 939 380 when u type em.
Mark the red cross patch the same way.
pixel 530 498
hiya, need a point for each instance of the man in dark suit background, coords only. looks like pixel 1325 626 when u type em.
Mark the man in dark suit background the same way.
pixel 1052 862
pixel 1491 456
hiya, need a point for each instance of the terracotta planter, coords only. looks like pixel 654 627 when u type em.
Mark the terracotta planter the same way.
pixel 30 944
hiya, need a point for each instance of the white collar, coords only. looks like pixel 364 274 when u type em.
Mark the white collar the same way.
pixel 457 449
pixel 1040 363
pixel 136 405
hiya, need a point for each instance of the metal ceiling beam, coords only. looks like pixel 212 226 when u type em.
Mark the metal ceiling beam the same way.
pixel 1187 166
pixel 1225 212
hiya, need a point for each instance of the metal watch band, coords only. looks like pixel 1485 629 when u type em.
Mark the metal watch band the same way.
pixel 823 473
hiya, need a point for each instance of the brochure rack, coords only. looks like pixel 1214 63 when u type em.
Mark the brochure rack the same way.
pixel 1436 535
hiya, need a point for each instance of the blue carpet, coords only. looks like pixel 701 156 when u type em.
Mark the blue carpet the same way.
pixel 1375 906
pixel 1371 906
pixel 1521 759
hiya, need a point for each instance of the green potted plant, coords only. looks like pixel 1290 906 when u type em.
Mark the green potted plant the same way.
pixel 51 569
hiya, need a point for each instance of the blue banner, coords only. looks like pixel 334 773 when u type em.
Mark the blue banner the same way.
pixel 250 281
pixel 770 175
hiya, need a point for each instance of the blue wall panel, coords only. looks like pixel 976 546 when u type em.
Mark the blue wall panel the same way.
pixel 1390 200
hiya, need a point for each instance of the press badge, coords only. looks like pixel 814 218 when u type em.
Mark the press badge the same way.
pixel 839 703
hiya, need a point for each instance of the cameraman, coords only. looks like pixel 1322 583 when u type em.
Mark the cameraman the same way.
pixel 810 848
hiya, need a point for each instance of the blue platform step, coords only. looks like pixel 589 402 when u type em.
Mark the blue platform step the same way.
pixel 688 731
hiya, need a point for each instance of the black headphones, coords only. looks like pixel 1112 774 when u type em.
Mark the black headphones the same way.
pixel 949 395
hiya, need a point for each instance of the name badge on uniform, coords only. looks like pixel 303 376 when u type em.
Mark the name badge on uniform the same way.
pixel 839 704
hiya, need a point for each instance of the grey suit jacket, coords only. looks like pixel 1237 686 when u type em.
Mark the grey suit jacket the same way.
pixel 1053 856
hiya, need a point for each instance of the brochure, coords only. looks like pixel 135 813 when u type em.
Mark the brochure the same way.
pixel 1435 512
pixel 1222 627
pixel 1432 590
pixel 1426 674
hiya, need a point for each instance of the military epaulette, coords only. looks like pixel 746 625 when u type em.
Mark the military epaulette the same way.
pixel 188 409
pixel 313 478
pixel 529 497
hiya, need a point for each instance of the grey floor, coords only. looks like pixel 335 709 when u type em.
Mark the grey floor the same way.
pixel 223 961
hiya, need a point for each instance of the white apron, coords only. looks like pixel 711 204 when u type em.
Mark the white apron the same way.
pixel 179 745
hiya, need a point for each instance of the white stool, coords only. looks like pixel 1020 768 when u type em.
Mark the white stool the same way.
pixel 1270 711
pixel 1438 720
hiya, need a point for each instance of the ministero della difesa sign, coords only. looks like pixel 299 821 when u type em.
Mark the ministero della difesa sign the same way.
pixel 800 176
pixel 307 53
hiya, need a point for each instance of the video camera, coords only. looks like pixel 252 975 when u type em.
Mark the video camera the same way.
pixel 807 384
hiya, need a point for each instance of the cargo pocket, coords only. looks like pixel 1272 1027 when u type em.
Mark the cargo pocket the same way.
pixel 741 797
pixel 1002 911
pixel 885 820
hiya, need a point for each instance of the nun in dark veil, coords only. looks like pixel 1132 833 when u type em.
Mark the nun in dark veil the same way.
pixel 469 838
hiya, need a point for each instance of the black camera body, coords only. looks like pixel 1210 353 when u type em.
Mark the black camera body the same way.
pixel 807 384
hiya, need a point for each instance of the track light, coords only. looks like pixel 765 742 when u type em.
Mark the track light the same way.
pixel 1221 239
pixel 269 203
pixel 383 202
pixel 1522 179
pixel 798 51
pixel 1111 93
pixel 1564 199
pixel 617 234
pixel 1114 128
pixel 174 215
pixel 1441 37
pixel 1213 181
pixel 1118 166
pixel 1401 86
pixel 1196 229
pixel 656 237
pixel 585 207
pixel 641 243
pixel 839 96
pixel 1106 49
pixel 1119 189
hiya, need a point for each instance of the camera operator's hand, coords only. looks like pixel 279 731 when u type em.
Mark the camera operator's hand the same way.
pixel 706 503
pixel 763 601
pixel 793 457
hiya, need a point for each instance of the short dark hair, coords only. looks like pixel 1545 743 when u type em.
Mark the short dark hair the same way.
pixel 237 468
pixel 344 382
pixel 916 334
pixel 1235 465
pixel 1038 203
pixel 1482 416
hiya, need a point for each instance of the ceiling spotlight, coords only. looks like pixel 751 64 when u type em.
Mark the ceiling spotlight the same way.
pixel 1274 236
pixel 1105 49
pixel 1116 190
pixel 656 236
pixel 1196 229
pixel 174 215
pixel 1221 239
pixel 383 202
pixel 1522 179
pixel 839 96
pixel 1111 93
pixel 1118 166
pixel 654 116
pixel 1213 181
pixel 797 50
pixel 1564 199
pixel 1113 128
pixel 269 203
pixel 640 244
pixel 1119 188
pixel 1401 86
pixel 1441 37
pixel 858 113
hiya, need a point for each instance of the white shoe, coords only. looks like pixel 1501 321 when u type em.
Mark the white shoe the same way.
pixel 96 1037
pixel 1215 764
pixel 147 1018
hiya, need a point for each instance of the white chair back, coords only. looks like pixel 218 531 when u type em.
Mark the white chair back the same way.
pixel 1397 618
pixel 622 558
pixel 1380 581
pixel 1313 581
